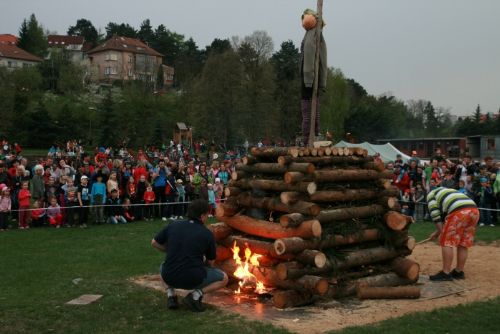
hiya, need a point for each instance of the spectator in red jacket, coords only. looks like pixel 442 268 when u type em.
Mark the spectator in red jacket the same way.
pixel 401 179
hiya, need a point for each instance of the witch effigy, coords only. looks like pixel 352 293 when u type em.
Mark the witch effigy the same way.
pixel 308 49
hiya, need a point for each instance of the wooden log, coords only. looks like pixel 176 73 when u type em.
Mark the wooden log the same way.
pixel 328 151
pixel 247 160
pixel 271 185
pixel 397 221
pixel 312 258
pixel 295 177
pixel 274 204
pixel 275 168
pixel 291 197
pixel 328 216
pixel 268 276
pixel 223 253
pixel 292 298
pixel 347 195
pixel 269 152
pixel 410 243
pixel 261 247
pixel 291 270
pixel 401 292
pixel 390 202
pixel 238 175
pixel 381 280
pixel 232 191
pixel 327 160
pixel 220 231
pixel 226 210
pixel 265 229
pixel 321 151
pixel 406 268
pixel 376 165
pixel 314 152
pixel 292 219
pixel 297 245
pixel 338 175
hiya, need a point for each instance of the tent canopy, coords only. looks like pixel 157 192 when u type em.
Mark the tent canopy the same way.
pixel 387 151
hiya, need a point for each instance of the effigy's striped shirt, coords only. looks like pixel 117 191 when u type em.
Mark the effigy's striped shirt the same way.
pixel 443 201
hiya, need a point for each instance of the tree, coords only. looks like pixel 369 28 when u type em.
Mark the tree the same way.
pixel 287 94
pixel 31 37
pixel 123 29
pixel 477 115
pixel 218 46
pixel 146 33
pixel 70 79
pixel 262 43
pixel 431 120
pixel 86 29
pixel 108 122
pixel 168 43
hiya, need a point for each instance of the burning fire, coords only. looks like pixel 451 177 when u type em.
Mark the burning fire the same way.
pixel 242 272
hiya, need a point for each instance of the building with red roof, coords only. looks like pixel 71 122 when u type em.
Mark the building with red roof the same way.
pixel 124 58
pixel 14 57
pixel 8 38
pixel 73 45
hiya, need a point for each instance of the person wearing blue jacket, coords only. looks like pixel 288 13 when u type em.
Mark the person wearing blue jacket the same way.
pixel 98 198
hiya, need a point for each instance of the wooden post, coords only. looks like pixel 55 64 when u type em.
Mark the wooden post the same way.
pixel 314 102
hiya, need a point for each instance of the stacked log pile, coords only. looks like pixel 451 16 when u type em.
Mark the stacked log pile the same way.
pixel 326 221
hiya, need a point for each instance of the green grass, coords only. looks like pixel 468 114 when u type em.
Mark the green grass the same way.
pixel 37 268
pixel 487 234
pixel 478 317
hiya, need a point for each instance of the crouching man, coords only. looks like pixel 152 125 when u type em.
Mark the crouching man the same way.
pixel 190 249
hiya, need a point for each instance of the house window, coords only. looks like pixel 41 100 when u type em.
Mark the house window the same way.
pixel 111 56
pixel 491 143
pixel 26 65
pixel 12 63
pixel 130 72
pixel 130 59
pixel 107 70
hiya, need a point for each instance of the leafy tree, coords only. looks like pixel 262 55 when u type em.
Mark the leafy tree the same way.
pixel 70 79
pixel 189 63
pixel 51 69
pixel 32 37
pixel 86 29
pixel 287 94
pixel 431 120
pixel 146 32
pixel 218 46
pixel 122 29
pixel 335 104
pixel 262 43
pixel 168 43
pixel 108 122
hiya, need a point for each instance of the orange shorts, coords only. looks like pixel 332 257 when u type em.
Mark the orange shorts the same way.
pixel 459 228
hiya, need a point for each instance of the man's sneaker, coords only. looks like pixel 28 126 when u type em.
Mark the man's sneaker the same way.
pixel 441 276
pixel 193 305
pixel 457 274
pixel 492 225
pixel 482 224
pixel 164 219
pixel 172 303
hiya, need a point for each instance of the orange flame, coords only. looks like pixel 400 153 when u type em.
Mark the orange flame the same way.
pixel 243 273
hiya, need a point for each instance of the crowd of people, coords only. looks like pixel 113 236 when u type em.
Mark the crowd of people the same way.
pixel 480 181
pixel 70 187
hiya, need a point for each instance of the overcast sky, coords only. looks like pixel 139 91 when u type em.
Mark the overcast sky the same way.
pixel 446 51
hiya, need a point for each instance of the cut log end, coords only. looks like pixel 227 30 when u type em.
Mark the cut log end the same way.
pixel 279 247
pixel 311 188
pixel 320 260
pixel 316 228
pixel 395 221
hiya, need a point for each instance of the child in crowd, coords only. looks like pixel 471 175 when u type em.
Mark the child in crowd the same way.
pixel 211 199
pixel 54 213
pixel 485 201
pixel 419 203
pixel 51 189
pixel 128 210
pixel 149 198
pixel 112 183
pixel 71 201
pixel 181 197
pixel 98 198
pixel 405 202
pixel 5 206
pixel 83 200
pixel 114 209
pixel 37 215
pixel 24 197
pixel 218 190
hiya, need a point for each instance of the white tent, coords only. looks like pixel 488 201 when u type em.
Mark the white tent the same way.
pixel 387 151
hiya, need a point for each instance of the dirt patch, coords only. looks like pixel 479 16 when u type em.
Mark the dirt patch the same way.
pixel 479 285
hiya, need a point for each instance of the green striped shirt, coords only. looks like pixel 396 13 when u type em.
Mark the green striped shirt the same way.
pixel 443 201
